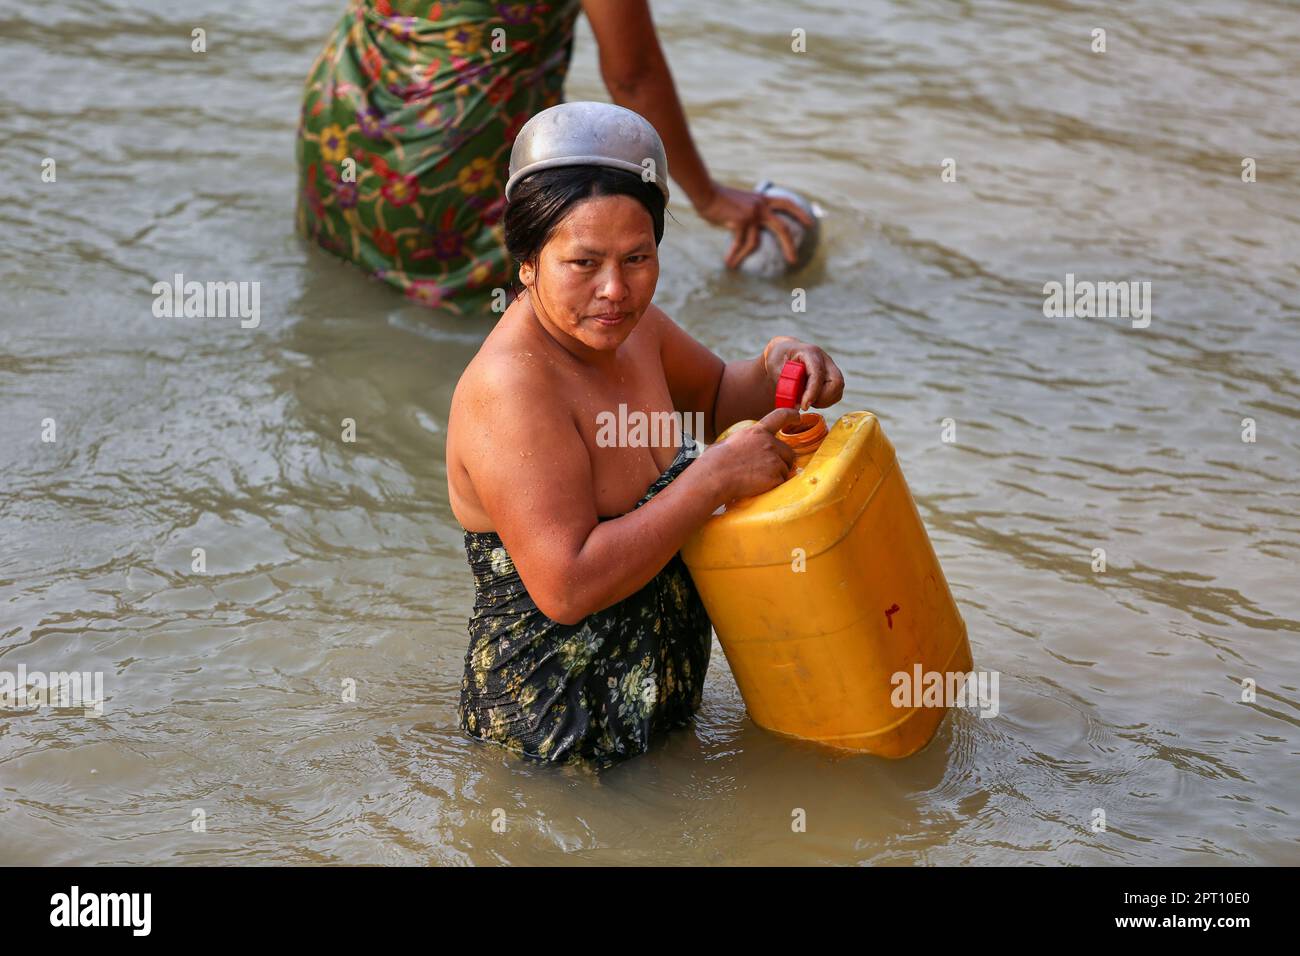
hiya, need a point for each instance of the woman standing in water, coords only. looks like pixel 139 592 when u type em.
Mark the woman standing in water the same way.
pixel 410 113
pixel 587 636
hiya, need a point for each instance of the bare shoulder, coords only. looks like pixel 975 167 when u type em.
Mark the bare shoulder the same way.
pixel 673 342
pixel 656 325
pixel 506 397
pixel 656 319
pixel 507 369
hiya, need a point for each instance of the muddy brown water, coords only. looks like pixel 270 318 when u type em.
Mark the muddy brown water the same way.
pixel 327 561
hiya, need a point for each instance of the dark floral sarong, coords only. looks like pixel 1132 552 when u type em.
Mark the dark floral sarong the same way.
pixel 595 691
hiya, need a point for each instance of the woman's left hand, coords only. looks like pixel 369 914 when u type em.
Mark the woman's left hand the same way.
pixel 825 385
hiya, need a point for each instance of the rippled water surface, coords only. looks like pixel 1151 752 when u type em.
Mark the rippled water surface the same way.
pixel 1119 690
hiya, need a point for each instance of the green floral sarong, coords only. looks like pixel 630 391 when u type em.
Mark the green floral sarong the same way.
pixel 404 140
pixel 598 691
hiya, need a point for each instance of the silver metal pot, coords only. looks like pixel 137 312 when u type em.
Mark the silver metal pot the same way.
pixel 766 261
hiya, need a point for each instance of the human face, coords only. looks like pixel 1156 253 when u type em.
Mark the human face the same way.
pixel 595 278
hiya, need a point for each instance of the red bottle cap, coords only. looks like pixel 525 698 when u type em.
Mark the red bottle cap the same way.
pixel 789 389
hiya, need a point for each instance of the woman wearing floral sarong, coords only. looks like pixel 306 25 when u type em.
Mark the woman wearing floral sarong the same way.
pixel 410 113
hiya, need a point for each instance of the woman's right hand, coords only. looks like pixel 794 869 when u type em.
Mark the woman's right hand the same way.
pixel 750 460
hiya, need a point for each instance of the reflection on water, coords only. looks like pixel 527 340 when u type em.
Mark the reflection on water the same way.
pixel 330 562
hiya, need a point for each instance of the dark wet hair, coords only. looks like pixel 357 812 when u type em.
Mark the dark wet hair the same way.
pixel 542 200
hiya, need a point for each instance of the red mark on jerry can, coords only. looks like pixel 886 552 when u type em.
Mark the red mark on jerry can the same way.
pixel 889 615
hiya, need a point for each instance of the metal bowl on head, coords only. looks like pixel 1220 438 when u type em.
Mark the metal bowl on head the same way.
pixel 586 133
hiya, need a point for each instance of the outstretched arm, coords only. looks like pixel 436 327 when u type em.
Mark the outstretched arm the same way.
pixel 635 71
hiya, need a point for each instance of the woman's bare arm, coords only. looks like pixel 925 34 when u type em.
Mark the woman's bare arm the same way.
pixel 636 73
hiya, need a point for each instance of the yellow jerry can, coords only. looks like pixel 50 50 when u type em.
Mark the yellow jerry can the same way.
pixel 825 588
